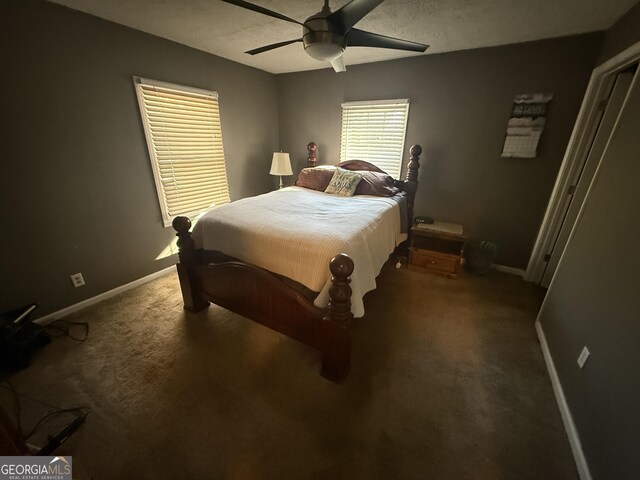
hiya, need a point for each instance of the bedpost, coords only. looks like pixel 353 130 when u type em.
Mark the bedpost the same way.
pixel 337 324
pixel 193 301
pixel 312 154
pixel 411 183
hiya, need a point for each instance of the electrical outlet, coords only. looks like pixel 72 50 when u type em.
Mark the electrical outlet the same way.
pixel 77 280
pixel 582 358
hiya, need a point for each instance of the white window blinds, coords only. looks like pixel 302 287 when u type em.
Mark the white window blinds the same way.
pixel 375 131
pixel 184 137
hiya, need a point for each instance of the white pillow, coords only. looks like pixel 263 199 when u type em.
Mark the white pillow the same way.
pixel 343 183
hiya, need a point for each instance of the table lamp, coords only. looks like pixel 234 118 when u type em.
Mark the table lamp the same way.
pixel 281 165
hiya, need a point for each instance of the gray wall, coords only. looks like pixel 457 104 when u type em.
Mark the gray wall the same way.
pixel 624 33
pixel 77 191
pixel 460 104
pixel 594 300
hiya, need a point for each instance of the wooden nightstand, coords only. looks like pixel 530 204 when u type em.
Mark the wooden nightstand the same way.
pixel 436 252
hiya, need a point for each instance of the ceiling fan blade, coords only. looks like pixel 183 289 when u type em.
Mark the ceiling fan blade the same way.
pixel 338 64
pixel 259 9
pixel 266 48
pixel 360 38
pixel 352 13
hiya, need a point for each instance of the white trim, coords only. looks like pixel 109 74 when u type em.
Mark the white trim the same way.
pixel 397 101
pixel 577 149
pixel 592 182
pixel 575 155
pixel 512 270
pixel 103 296
pixel 565 412
pixel 175 86
pixel 622 60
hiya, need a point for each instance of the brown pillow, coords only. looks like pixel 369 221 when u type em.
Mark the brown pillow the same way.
pixel 375 183
pixel 316 178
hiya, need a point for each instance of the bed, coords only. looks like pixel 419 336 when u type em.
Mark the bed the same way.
pixel 234 258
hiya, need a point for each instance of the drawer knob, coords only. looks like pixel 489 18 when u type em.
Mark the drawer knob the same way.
pixel 433 262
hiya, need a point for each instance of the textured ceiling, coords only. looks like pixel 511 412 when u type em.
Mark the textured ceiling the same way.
pixel 446 25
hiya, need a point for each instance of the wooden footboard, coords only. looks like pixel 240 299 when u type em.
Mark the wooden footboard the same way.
pixel 259 295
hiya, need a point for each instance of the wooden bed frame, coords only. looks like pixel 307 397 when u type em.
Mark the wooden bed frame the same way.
pixel 257 294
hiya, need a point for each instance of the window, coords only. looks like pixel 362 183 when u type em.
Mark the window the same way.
pixel 374 131
pixel 184 137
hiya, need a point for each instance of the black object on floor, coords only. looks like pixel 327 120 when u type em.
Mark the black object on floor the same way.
pixel 479 256
pixel 19 337
pixel 60 438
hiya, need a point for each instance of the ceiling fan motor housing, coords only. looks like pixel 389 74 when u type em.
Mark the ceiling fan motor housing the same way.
pixel 321 39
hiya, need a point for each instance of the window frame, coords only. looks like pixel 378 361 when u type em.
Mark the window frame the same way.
pixel 397 101
pixel 167 219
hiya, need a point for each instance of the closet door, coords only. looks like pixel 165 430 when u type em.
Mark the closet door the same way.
pixel 579 189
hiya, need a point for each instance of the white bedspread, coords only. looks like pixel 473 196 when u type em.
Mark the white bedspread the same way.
pixel 296 232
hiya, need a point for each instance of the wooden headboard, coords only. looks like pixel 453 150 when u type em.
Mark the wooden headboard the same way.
pixel 408 185
pixel 360 165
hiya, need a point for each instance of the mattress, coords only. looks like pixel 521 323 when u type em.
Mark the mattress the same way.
pixel 295 232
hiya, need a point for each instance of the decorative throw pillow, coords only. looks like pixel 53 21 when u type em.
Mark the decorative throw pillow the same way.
pixel 343 183
pixel 376 183
pixel 316 178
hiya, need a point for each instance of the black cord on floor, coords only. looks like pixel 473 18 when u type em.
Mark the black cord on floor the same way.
pixel 61 437
pixel 82 412
pixel 62 328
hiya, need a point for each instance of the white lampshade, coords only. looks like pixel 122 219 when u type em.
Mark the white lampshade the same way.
pixel 281 164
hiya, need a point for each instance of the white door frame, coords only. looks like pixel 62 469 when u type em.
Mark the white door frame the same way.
pixel 575 156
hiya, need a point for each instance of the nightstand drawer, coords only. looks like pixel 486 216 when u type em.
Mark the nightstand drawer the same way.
pixel 427 259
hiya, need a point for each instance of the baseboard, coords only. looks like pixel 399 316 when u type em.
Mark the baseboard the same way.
pixel 512 270
pixel 103 296
pixel 567 419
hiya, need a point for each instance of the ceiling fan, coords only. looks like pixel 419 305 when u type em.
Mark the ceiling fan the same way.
pixel 327 34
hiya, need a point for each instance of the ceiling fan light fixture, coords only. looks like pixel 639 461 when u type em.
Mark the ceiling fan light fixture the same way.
pixel 324 51
pixel 321 43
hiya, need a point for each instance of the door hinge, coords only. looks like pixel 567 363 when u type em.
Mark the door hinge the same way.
pixel 572 190
pixel 603 104
pixel 547 257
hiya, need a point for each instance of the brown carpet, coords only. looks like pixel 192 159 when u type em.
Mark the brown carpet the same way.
pixel 448 382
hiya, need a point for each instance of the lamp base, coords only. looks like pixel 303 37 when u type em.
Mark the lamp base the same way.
pixel 280 182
